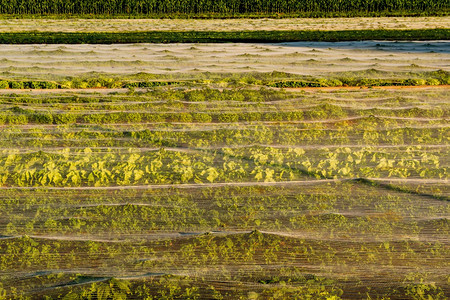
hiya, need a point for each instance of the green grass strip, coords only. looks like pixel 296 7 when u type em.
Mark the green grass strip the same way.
pixel 220 37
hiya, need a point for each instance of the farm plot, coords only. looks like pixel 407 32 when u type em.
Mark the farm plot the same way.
pixel 220 185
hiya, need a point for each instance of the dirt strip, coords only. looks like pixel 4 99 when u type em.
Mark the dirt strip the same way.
pixel 126 25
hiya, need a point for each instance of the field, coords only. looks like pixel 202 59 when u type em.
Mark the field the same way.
pixel 225 171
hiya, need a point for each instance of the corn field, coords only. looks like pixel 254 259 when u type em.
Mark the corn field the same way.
pixel 216 6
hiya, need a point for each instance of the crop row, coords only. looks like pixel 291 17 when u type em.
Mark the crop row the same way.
pixel 358 82
pixel 19 116
pixel 220 36
pixel 234 99
pixel 432 78
pixel 87 168
pixel 310 213
pixel 93 83
pixel 242 252
pixel 135 7
pixel 326 209
pixel 284 136
pixel 315 196
pixel 129 220
pixel 213 250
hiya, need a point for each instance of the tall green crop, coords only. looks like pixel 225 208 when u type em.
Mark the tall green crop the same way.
pixel 139 7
